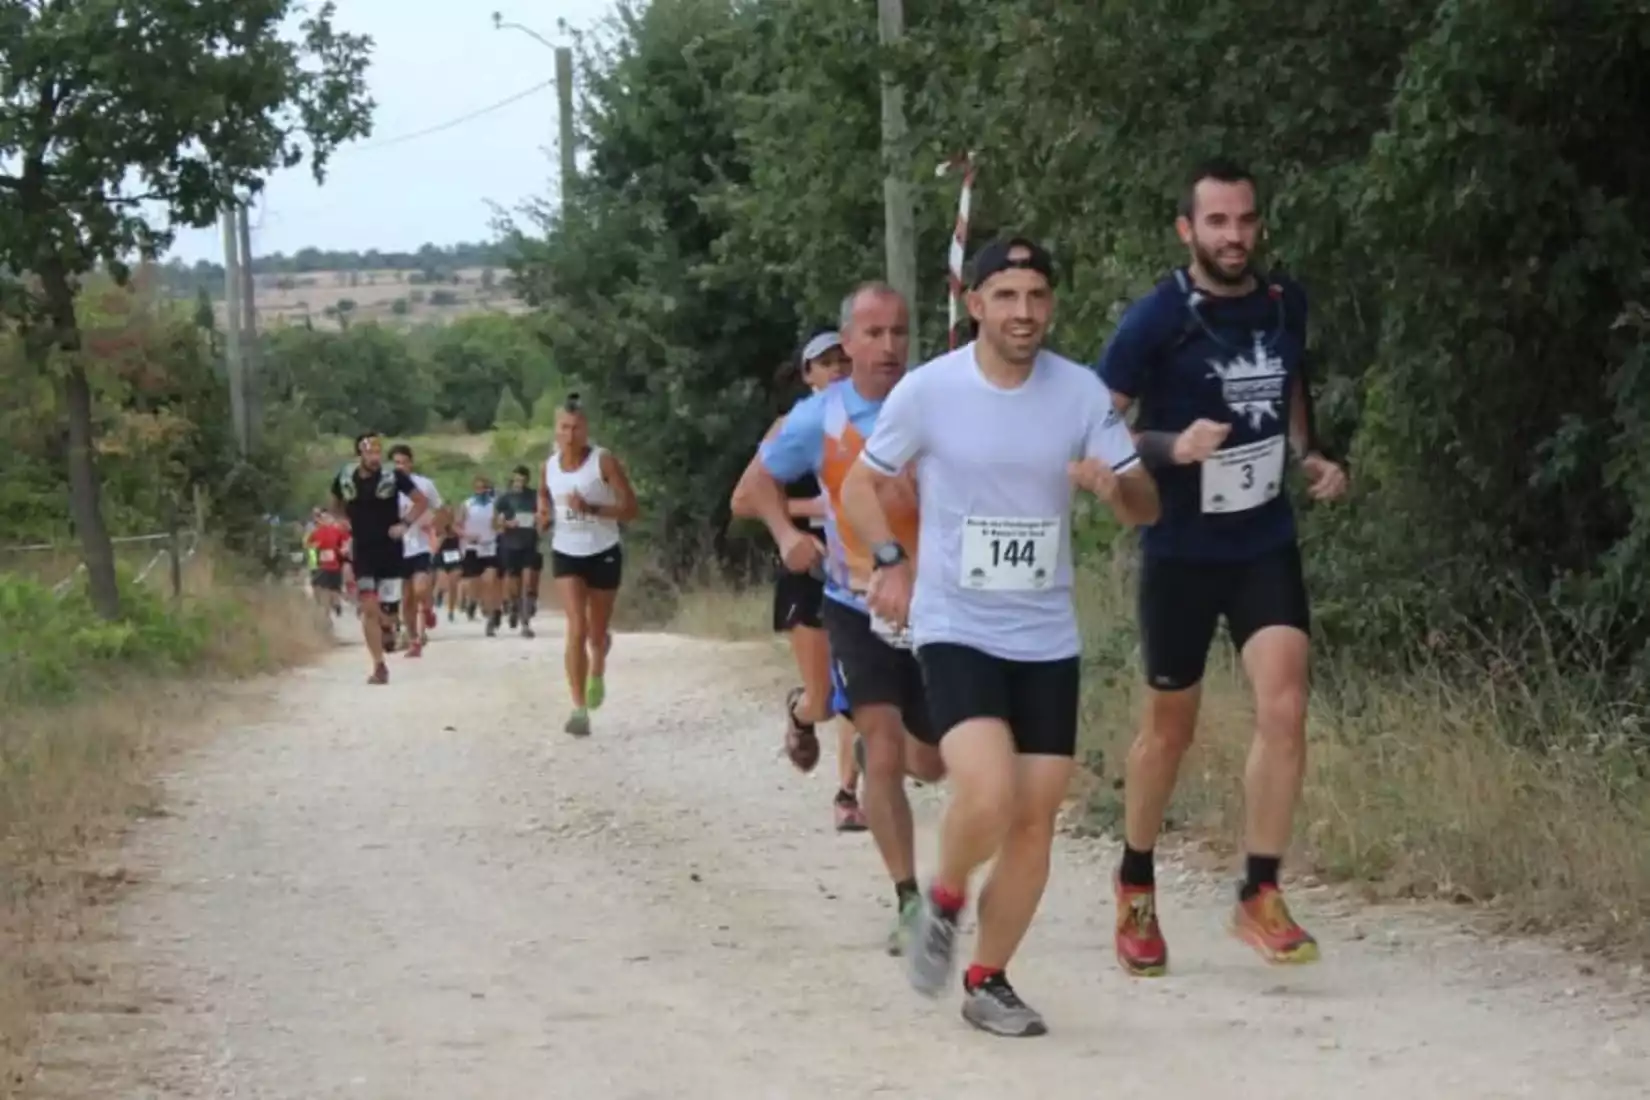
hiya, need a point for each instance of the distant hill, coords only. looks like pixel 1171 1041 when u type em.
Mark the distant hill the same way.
pixel 327 287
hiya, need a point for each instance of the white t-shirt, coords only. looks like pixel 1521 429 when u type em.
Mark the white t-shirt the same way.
pixel 477 530
pixel 994 557
pixel 417 539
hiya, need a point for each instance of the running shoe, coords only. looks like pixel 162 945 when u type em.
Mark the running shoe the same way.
pixel 930 955
pixel 1263 922
pixel 801 742
pixel 905 925
pixel 850 818
pixel 1141 949
pixel 595 690
pixel 994 1006
pixel 380 674
pixel 579 723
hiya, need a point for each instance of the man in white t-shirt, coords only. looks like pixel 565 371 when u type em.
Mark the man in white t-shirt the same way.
pixel 418 581
pixel 1001 432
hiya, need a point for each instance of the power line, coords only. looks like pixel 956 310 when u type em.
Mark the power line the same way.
pixel 450 123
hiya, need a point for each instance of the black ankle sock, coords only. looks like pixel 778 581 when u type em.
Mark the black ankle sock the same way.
pixel 845 797
pixel 1259 871
pixel 906 889
pixel 1138 868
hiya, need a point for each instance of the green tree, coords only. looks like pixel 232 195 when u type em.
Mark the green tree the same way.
pixel 510 413
pixel 172 104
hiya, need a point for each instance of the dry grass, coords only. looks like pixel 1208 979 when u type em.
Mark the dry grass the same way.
pixel 73 777
pixel 1414 786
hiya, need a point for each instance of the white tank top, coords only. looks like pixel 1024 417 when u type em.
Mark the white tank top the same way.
pixel 575 534
pixel 417 539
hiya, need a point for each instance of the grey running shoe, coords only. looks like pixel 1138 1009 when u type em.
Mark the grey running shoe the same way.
pixel 905 925
pixel 579 724
pixel 994 1006
pixel 930 951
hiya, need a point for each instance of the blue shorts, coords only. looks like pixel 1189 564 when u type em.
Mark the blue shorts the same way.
pixel 839 690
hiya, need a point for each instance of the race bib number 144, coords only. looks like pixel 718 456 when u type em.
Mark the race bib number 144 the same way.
pixel 1009 554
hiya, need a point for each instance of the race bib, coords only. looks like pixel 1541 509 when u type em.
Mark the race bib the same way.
pixel 1240 478
pixel 898 637
pixel 329 556
pixel 450 556
pixel 1009 554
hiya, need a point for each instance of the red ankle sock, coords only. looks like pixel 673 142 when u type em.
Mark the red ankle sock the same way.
pixel 945 900
pixel 977 975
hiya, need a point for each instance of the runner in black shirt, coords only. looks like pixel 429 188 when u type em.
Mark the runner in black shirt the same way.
pixel 368 494
pixel 519 556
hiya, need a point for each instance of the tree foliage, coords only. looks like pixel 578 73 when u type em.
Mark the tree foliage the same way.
pixel 111 108
pixel 1459 184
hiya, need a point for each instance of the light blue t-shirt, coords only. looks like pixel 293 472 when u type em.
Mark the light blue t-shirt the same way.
pixel 822 435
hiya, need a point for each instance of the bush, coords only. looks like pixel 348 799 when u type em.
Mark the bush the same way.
pixel 50 646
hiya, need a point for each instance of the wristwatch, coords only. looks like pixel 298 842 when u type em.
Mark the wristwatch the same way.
pixel 885 554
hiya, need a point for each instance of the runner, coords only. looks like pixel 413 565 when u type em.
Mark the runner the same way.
pixel 1000 431
pixel 365 491
pixel 798 598
pixel 516 520
pixel 419 577
pixel 480 543
pixel 586 495
pixel 1214 358
pixel 325 545
pixel 823 435
pixel 449 562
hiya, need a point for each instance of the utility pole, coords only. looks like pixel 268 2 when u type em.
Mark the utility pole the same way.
pixel 564 98
pixel 899 211
pixel 249 325
pixel 232 291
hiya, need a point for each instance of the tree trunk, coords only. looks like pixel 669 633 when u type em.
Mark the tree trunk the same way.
pixel 84 504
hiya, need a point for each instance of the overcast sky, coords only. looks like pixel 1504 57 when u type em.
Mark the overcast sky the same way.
pixel 432 61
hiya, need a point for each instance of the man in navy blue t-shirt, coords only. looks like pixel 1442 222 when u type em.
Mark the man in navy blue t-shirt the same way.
pixel 1212 361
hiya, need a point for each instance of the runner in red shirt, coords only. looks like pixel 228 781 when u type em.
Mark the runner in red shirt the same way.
pixel 326 578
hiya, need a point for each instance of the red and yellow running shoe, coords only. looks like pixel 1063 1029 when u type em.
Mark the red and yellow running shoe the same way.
pixel 1141 949
pixel 1263 922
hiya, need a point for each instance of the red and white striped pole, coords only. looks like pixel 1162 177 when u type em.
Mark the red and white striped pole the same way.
pixel 959 240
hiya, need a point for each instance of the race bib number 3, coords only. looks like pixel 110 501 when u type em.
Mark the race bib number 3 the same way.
pixel 898 637
pixel 1009 554
pixel 1240 478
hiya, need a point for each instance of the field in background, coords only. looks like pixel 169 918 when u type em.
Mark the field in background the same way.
pixel 392 298
pixel 1416 786
pixel 92 711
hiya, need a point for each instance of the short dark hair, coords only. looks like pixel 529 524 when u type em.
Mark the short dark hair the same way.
pixel 1219 169
pixel 400 449
pixel 521 471
pixel 573 404
pixel 362 438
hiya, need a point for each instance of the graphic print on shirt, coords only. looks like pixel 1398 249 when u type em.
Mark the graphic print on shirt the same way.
pixel 1252 384
pixel 1239 478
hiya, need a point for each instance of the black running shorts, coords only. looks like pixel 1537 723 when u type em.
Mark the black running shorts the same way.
pixel 602 571
pixel 872 672
pixel 475 565
pixel 797 600
pixel 1037 700
pixel 327 580
pixel 1181 601
pixel 415 564
pixel 514 561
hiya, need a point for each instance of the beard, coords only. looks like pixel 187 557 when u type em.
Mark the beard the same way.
pixel 1216 270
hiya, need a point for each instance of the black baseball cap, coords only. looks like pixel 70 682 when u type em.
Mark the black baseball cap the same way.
pixel 996 257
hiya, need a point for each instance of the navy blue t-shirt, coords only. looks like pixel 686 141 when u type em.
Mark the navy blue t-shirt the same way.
pixel 1238 367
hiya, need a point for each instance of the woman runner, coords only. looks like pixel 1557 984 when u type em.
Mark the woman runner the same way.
pixel 584 496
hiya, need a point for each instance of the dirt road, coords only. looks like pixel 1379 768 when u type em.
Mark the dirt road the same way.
pixel 428 890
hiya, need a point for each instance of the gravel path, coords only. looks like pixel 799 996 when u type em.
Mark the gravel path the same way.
pixel 428 890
